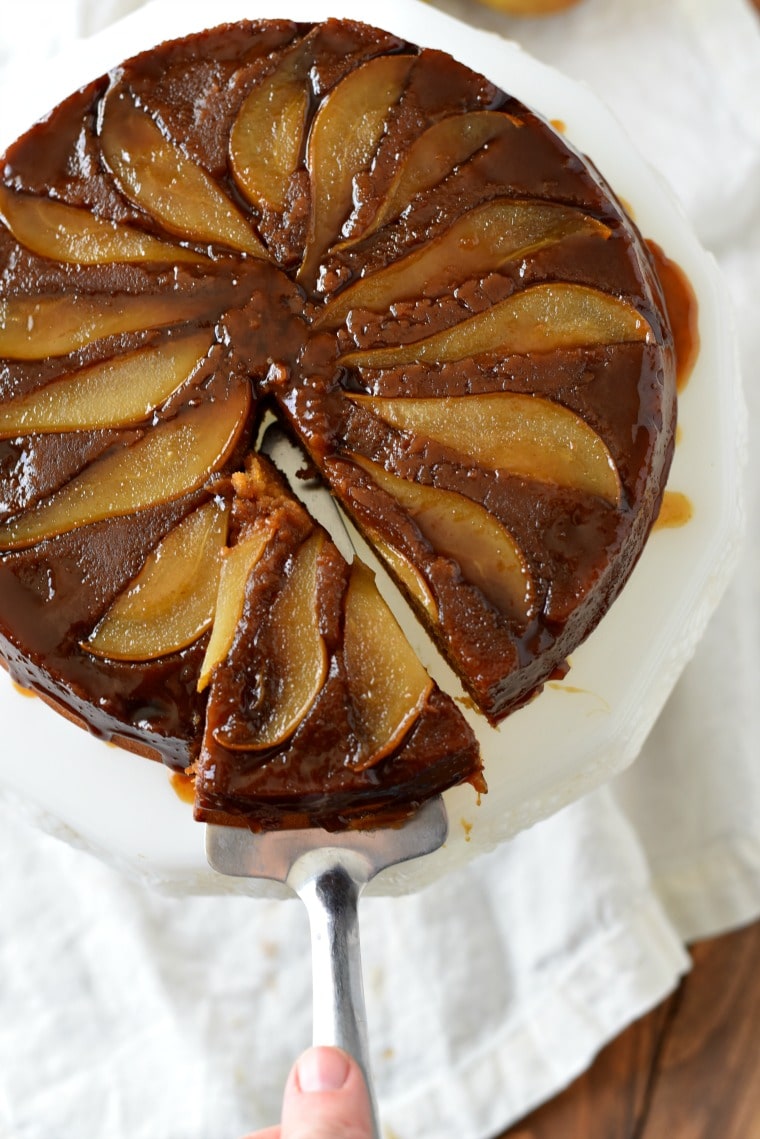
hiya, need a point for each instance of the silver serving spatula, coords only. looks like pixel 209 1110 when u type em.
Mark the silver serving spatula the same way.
pixel 328 871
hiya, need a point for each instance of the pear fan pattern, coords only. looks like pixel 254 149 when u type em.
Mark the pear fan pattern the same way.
pixel 437 299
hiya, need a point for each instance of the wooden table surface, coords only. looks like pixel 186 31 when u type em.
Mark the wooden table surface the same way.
pixel 688 1070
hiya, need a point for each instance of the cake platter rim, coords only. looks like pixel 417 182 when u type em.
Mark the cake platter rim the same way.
pixel 123 808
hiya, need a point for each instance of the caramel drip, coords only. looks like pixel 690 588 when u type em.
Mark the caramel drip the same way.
pixel 683 312
pixel 183 786
pixel 628 208
pixel 676 510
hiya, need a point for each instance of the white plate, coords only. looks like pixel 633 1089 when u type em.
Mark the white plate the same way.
pixel 577 733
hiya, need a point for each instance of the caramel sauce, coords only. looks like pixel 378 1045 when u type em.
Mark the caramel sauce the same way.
pixel 559 125
pixel 599 705
pixel 21 690
pixel 628 208
pixel 683 312
pixel 467 828
pixel 676 510
pixel 183 786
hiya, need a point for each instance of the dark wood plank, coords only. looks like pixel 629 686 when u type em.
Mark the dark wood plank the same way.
pixel 690 1069
pixel 609 1100
pixel 708 1074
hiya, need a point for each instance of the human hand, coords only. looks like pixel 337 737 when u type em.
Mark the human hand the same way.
pixel 325 1098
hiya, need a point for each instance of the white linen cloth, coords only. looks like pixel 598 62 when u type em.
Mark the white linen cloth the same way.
pixel 129 1015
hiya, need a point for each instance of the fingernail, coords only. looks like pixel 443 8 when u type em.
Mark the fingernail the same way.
pixel 322 1070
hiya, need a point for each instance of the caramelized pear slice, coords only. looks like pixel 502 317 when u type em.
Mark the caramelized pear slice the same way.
pixel 298 647
pixel 296 668
pixel 34 328
pixel 387 683
pixel 169 461
pixel 442 147
pixel 523 434
pixel 76 236
pixel 237 564
pixel 154 172
pixel 539 319
pixel 267 136
pixel 404 572
pixel 343 138
pixel 120 392
pixel 479 242
pixel 464 531
pixel 171 602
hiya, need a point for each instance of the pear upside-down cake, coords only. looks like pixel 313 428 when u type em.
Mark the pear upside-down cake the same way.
pixel 441 303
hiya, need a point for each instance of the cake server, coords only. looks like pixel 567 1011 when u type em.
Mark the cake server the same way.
pixel 327 870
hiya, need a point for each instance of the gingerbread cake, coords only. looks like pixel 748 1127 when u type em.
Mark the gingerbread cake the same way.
pixel 445 308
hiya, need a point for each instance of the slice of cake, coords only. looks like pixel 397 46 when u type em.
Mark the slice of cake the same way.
pixel 439 299
pixel 318 708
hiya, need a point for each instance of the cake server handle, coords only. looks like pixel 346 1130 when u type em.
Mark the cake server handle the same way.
pixel 328 871
pixel 331 896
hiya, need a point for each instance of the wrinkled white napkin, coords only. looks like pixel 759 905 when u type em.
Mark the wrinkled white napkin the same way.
pixel 128 1015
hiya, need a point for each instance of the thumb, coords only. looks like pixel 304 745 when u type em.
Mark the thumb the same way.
pixel 326 1098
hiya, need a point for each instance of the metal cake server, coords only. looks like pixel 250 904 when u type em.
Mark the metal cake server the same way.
pixel 328 872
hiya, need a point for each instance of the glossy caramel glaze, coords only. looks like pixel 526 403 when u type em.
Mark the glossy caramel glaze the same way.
pixel 267 315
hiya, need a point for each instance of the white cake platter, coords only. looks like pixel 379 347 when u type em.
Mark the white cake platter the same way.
pixel 578 732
